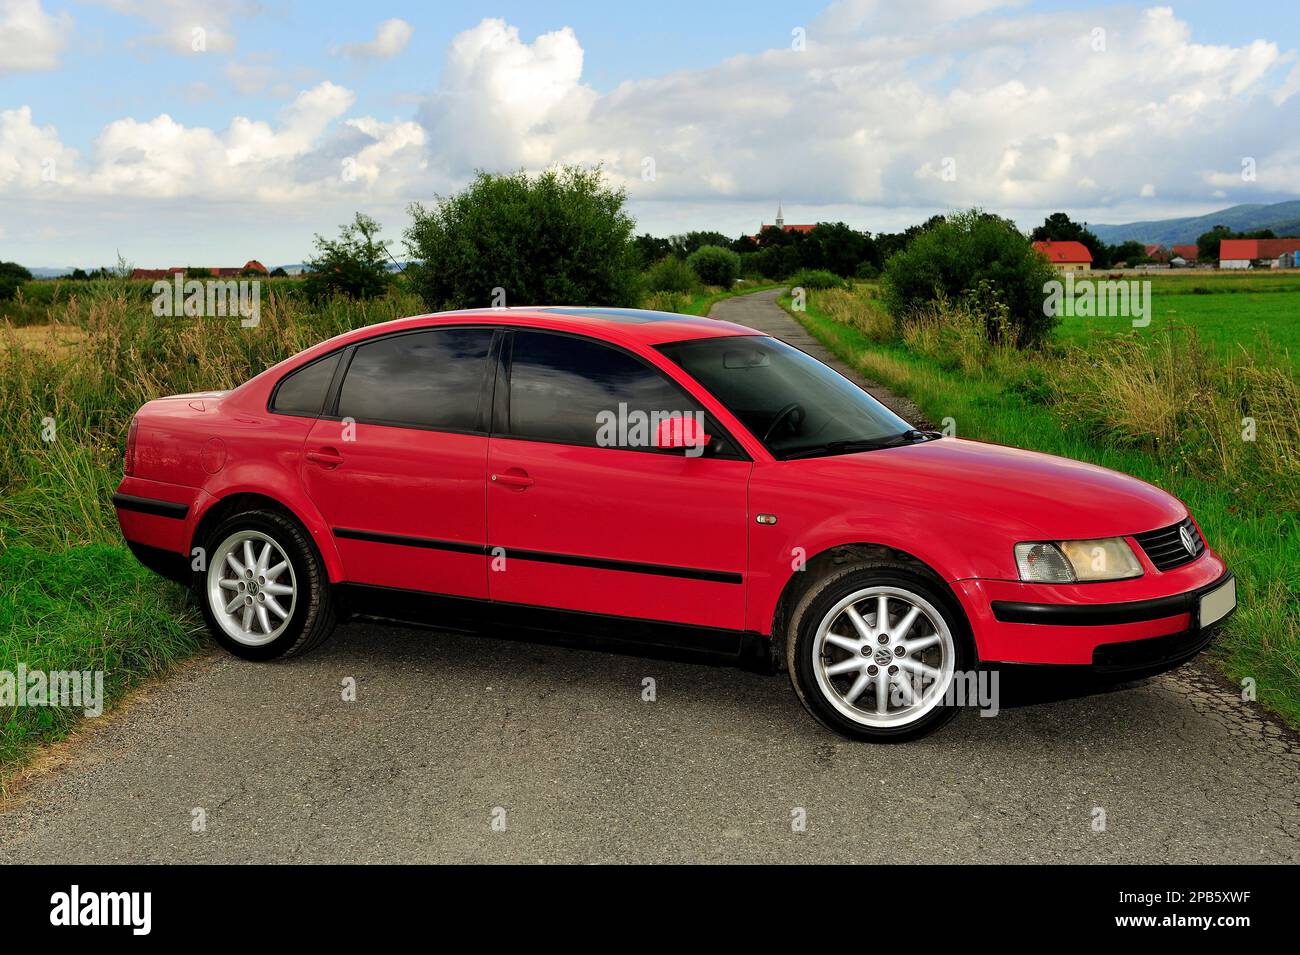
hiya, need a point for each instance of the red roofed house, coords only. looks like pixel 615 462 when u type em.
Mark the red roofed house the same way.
pixel 1066 256
pixel 1157 252
pixel 1187 253
pixel 780 224
pixel 1271 253
pixel 252 265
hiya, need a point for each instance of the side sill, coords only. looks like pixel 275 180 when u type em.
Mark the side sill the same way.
pixel 747 649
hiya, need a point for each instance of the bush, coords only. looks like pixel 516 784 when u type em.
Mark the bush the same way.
pixel 715 265
pixel 948 260
pixel 15 271
pixel 561 237
pixel 9 286
pixel 355 264
pixel 819 279
pixel 670 274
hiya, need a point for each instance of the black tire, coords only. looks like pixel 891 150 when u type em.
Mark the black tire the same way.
pixel 313 615
pixel 823 597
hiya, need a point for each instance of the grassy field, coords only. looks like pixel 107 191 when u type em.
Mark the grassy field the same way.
pixel 1261 317
pixel 1244 495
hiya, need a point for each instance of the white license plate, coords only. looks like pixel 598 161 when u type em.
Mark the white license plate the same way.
pixel 1218 603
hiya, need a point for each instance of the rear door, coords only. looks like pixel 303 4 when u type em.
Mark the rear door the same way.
pixel 397 466
pixel 578 522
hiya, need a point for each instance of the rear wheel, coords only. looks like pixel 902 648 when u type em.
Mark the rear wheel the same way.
pixel 873 649
pixel 265 593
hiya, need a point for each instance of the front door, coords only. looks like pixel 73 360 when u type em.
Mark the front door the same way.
pixel 580 522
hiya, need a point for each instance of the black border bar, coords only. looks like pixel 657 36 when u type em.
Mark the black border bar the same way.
pixel 1103 615
pixel 149 505
pixel 545 557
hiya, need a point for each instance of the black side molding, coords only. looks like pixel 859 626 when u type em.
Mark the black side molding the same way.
pixel 546 557
pixel 1102 615
pixel 148 505
pixel 401 540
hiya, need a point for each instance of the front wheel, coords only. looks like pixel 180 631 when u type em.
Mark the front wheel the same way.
pixel 264 593
pixel 872 652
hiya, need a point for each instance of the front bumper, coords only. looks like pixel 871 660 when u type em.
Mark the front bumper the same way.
pixel 1153 621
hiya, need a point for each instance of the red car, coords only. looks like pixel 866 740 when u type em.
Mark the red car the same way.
pixel 652 477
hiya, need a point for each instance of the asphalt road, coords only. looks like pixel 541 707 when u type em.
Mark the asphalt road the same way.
pixel 451 733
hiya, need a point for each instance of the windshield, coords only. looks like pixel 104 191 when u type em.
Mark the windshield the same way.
pixel 789 400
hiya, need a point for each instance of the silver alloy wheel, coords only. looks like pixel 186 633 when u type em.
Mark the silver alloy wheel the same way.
pixel 252 590
pixel 883 657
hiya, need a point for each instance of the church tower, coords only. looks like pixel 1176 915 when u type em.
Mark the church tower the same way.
pixel 780 220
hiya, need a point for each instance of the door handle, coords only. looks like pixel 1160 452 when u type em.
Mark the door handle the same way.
pixel 325 457
pixel 516 479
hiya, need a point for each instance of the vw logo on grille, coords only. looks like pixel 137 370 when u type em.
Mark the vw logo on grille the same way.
pixel 1186 537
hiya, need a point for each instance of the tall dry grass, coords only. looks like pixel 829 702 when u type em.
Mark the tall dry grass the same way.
pixel 57 492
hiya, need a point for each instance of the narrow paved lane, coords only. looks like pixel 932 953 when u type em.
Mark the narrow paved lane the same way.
pixel 760 311
pixel 450 733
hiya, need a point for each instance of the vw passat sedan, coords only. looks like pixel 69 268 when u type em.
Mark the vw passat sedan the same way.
pixel 645 476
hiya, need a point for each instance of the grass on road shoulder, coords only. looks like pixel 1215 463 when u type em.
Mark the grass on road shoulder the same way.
pixel 88 608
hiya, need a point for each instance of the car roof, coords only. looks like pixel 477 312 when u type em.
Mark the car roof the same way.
pixel 619 325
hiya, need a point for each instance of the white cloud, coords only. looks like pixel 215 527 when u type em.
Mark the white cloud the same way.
pixel 878 106
pixel 187 26
pixel 391 38
pixel 30 39
pixel 504 103
pixel 32 159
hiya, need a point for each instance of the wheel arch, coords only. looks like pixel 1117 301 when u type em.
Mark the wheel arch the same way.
pixel 819 565
pixel 238 501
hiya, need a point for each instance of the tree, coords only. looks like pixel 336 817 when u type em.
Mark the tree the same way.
pixel 715 265
pixel 835 247
pixel 560 237
pixel 974 254
pixel 15 271
pixel 684 246
pixel 355 264
pixel 1131 253
pixel 279 273
pixel 650 249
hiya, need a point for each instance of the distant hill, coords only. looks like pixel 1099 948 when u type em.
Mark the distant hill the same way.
pixel 1282 217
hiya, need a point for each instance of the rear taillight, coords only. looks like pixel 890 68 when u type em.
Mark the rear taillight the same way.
pixel 128 463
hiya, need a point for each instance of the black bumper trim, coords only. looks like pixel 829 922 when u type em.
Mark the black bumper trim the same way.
pixel 1103 615
pixel 149 505
pixel 165 563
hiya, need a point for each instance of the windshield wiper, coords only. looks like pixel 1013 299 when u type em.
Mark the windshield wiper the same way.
pixel 910 436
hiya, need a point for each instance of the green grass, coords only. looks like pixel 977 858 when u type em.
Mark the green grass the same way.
pixel 1260 544
pixel 90 608
pixel 1262 322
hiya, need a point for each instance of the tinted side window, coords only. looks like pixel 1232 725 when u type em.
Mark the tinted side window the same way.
pixel 303 392
pixel 563 388
pixel 429 379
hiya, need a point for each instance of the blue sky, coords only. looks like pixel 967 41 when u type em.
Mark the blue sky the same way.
pixel 116 135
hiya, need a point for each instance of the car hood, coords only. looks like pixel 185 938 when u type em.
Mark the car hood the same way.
pixel 1025 494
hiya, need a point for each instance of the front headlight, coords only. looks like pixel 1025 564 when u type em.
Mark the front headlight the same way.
pixel 1068 562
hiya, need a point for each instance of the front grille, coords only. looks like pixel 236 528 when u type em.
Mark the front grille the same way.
pixel 1165 546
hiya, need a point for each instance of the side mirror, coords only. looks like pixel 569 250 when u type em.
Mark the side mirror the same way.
pixel 686 431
